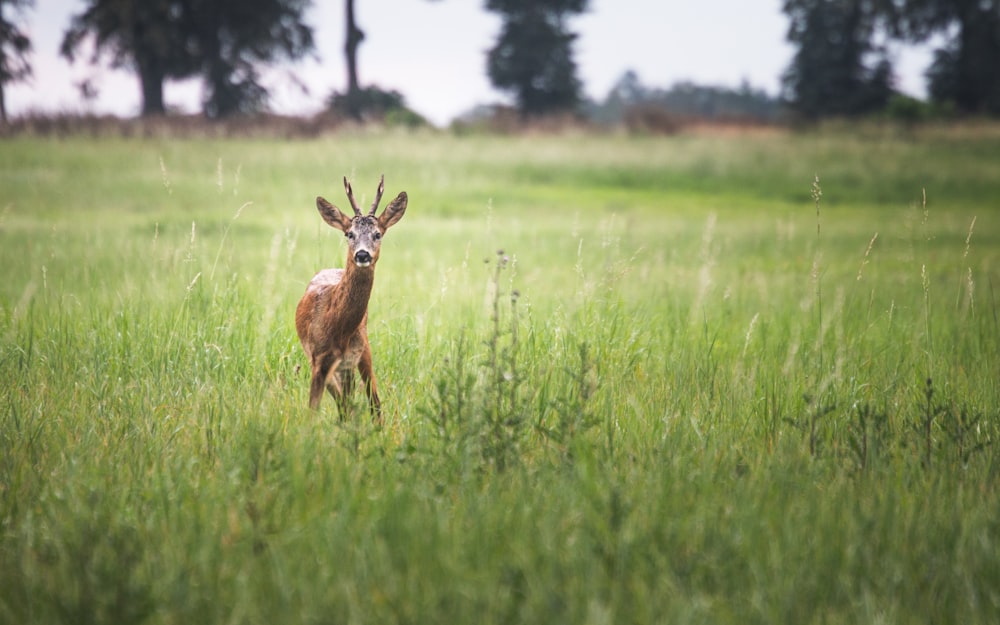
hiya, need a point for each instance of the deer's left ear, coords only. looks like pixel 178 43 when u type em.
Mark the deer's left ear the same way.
pixel 332 215
pixel 393 212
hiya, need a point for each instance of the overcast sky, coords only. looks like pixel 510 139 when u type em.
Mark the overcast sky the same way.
pixel 435 54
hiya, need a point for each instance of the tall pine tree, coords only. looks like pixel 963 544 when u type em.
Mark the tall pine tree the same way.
pixel 966 70
pixel 838 69
pixel 533 56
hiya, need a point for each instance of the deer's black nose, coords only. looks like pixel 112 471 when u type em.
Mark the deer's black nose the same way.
pixel 362 257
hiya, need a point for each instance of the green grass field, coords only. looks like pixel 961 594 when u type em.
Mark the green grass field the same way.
pixel 625 380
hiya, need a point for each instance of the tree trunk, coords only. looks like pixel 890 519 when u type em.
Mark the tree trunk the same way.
pixel 354 38
pixel 3 102
pixel 971 67
pixel 151 82
pixel 3 106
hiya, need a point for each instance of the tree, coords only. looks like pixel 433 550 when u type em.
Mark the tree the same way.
pixel 633 102
pixel 533 56
pixel 145 36
pixel 14 49
pixel 352 40
pixel 965 71
pixel 232 37
pixel 361 103
pixel 223 40
pixel 838 68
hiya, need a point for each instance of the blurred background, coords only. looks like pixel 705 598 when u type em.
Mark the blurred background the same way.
pixel 652 65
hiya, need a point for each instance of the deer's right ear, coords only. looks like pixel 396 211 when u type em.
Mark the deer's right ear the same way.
pixel 332 215
pixel 393 212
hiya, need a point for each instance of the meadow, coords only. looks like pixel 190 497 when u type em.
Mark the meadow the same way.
pixel 718 377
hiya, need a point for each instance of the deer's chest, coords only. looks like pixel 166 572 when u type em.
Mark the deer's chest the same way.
pixel 352 351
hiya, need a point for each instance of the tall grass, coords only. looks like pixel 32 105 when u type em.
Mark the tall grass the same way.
pixel 666 398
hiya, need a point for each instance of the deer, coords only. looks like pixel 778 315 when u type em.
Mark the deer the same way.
pixel 332 317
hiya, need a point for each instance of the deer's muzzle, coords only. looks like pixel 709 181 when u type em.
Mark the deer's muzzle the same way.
pixel 362 258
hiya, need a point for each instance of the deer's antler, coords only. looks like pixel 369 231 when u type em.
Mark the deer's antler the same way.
pixel 378 194
pixel 350 196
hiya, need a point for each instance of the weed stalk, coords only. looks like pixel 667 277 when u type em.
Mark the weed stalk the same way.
pixel 817 193
pixel 928 421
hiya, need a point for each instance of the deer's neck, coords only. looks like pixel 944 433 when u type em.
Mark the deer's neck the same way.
pixel 350 298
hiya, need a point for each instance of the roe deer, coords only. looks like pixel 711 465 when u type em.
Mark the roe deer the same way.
pixel 332 316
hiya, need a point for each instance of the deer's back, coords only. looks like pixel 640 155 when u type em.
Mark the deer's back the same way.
pixel 325 279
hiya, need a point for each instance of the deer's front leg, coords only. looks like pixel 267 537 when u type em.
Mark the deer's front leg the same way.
pixel 341 387
pixel 317 384
pixel 367 372
pixel 323 375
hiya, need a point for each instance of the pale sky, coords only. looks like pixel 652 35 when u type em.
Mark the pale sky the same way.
pixel 435 54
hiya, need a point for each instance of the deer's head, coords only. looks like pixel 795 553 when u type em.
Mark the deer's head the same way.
pixel 363 231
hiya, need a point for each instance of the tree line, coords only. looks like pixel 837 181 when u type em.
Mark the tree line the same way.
pixel 841 65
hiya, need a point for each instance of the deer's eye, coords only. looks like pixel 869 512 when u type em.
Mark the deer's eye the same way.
pixel 377 236
pixel 349 235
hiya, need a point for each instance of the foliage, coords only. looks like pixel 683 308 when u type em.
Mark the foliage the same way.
pixel 533 56
pixel 149 37
pixel 697 407
pixel 223 40
pixel 912 111
pixel 15 46
pixel 963 73
pixel 841 67
pixel 373 103
pixel 685 99
pixel 235 36
pixel 838 69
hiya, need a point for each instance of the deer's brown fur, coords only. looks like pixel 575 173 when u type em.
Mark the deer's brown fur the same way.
pixel 332 316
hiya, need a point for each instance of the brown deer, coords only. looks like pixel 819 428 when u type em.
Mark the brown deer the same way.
pixel 332 316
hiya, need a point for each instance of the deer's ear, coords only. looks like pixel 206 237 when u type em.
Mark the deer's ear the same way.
pixel 393 212
pixel 332 215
